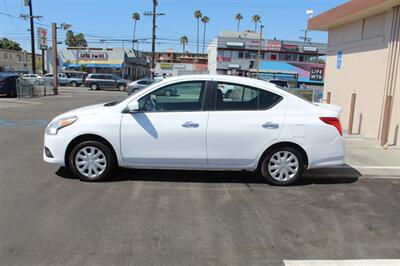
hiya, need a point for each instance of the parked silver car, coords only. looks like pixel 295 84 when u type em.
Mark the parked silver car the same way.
pixel 138 85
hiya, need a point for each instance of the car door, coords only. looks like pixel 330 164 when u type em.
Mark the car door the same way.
pixel 169 130
pixel 242 123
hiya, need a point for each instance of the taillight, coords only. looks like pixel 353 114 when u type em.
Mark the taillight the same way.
pixel 333 121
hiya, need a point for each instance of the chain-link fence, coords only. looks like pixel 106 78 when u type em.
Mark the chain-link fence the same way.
pixel 34 87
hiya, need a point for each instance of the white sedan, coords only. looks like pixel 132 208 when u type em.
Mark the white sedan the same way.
pixel 259 128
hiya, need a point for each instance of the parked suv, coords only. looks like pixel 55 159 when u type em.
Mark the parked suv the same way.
pixel 105 81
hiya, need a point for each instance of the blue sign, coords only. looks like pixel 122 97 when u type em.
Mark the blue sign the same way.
pixel 339 60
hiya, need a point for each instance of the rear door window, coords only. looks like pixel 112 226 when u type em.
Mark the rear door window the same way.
pixel 233 97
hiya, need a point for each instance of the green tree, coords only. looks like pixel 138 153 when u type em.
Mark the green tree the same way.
pixel 135 17
pixel 80 40
pixel 184 40
pixel 205 20
pixel 75 40
pixel 197 16
pixel 83 68
pixel 9 45
pixel 238 17
pixel 255 19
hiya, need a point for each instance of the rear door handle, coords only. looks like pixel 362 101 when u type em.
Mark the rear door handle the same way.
pixel 190 124
pixel 270 125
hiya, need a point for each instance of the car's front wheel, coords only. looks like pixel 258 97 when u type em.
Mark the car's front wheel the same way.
pixel 92 161
pixel 73 84
pixel 282 166
pixel 94 87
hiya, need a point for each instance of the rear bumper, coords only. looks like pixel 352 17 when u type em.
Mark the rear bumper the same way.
pixel 326 154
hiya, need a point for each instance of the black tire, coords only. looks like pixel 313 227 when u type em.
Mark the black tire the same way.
pixel 12 93
pixel 228 94
pixel 73 84
pixel 110 159
pixel 121 87
pixel 94 86
pixel 167 93
pixel 266 161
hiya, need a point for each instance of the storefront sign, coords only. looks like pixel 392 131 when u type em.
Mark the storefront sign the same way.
pixel 255 44
pixel 310 49
pixel 235 44
pixel 92 56
pixel 234 66
pixel 274 45
pixel 166 66
pixel 42 38
pixel 317 73
pixel 290 47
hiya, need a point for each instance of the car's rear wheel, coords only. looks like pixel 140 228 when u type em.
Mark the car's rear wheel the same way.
pixel 121 87
pixel 92 161
pixel 94 87
pixel 282 166
pixel 167 93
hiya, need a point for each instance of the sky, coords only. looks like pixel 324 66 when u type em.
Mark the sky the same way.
pixel 112 19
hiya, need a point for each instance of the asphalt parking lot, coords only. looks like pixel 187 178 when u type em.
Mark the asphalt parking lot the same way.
pixel 148 217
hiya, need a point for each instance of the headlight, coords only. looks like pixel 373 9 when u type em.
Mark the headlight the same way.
pixel 53 128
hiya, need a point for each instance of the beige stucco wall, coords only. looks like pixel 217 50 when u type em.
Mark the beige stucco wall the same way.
pixel 364 46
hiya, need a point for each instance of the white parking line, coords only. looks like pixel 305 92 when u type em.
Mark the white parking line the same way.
pixel 365 167
pixel 342 262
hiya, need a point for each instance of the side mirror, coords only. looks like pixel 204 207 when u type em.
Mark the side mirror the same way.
pixel 133 106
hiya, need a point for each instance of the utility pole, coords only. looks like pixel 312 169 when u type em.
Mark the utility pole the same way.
pixel 259 51
pixel 32 37
pixel 54 56
pixel 153 39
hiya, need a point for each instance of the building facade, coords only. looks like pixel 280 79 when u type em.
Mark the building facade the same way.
pixel 19 61
pixel 126 63
pixel 171 63
pixel 236 53
pixel 363 58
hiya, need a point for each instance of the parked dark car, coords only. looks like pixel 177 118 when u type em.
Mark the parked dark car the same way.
pixel 280 83
pixel 8 85
pixel 105 81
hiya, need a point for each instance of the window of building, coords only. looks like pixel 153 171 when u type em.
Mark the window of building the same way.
pixel 273 57
pixel 235 54
pixel 185 96
pixel 241 54
pixel 238 97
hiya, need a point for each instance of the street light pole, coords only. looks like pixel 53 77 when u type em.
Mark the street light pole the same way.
pixel 32 38
pixel 259 51
pixel 153 40
pixel 54 56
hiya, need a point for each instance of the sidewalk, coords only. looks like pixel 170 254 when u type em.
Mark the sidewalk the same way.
pixel 364 158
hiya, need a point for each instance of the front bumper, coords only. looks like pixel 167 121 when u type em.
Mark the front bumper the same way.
pixel 56 145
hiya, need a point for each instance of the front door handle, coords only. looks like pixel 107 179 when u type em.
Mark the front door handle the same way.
pixel 190 124
pixel 270 125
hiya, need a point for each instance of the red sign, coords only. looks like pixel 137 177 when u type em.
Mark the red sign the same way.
pixel 274 45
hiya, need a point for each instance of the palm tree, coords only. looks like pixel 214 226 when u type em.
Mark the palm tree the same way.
pixel 135 17
pixel 255 19
pixel 184 41
pixel 197 15
pixel 238 17
pixel 205 20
